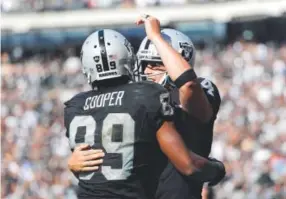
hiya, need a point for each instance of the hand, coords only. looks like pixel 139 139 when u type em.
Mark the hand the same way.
pixel 85 159
pixel 152 26
pixel 220 172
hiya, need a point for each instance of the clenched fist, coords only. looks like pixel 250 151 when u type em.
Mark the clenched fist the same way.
pixel 152 26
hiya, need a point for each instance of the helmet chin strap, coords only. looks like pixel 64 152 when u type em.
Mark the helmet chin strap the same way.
pixel 89 78
pixel 167 82
pixel 163 80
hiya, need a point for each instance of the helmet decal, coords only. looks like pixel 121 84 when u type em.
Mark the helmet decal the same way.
pixel 187 50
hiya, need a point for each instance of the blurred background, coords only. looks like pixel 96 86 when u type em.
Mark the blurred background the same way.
pixel 240 46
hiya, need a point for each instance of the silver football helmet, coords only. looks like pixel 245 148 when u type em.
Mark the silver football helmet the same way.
pixel 107 54
pixel 148 53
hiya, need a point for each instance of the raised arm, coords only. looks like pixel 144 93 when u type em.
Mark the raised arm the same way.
pixel 192 96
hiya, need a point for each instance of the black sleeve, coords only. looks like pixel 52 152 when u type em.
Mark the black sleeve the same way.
pixel 212 94
pixel 66 122
pixel 70 111
pixel 72 107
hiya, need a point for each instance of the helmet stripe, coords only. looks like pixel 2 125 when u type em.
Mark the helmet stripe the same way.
pixel 147 44
pixel 103 50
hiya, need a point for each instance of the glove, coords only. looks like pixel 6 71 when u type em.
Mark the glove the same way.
pixel 220 172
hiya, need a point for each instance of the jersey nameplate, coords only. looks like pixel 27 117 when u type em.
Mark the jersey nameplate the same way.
pixel 102 100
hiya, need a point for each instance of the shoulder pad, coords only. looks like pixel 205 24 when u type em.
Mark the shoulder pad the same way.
pixel 151 86
pixel 73 101
pixel 211 92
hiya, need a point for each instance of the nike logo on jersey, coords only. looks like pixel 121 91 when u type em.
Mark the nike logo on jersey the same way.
pixel 102 100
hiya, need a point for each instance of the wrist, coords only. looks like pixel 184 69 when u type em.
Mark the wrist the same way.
pixel 156 38
pixel 71 167
pixel 204 173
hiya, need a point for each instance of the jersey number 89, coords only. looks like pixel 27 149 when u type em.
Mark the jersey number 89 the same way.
pixel 125 147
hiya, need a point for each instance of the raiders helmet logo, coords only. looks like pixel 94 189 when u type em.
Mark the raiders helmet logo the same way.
pixel 96 59
pixel 128 46
pixel 187 50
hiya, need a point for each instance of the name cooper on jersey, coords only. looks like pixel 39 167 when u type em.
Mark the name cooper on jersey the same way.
pixel 102 100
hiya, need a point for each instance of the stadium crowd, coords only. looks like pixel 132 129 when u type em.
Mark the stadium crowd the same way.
pixel 52 5
pixel 250 131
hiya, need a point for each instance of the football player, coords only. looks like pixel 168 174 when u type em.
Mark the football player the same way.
pixel 130 123
pixel 167 57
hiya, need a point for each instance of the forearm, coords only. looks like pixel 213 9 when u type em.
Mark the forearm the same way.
pixel 188 163
pixel 174 148
pixel 193 166
pixel 175 64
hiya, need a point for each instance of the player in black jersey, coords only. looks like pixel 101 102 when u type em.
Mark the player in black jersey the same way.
pixel 130 122
pixel 167 57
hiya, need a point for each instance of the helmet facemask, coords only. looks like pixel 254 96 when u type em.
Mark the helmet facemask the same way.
pixel 148 54
pixel 165 80
pixel 144 65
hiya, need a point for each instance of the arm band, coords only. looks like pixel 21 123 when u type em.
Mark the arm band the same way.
pixel 187 76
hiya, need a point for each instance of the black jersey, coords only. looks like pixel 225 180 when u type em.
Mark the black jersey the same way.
pixel 123 121
pixel 197 137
